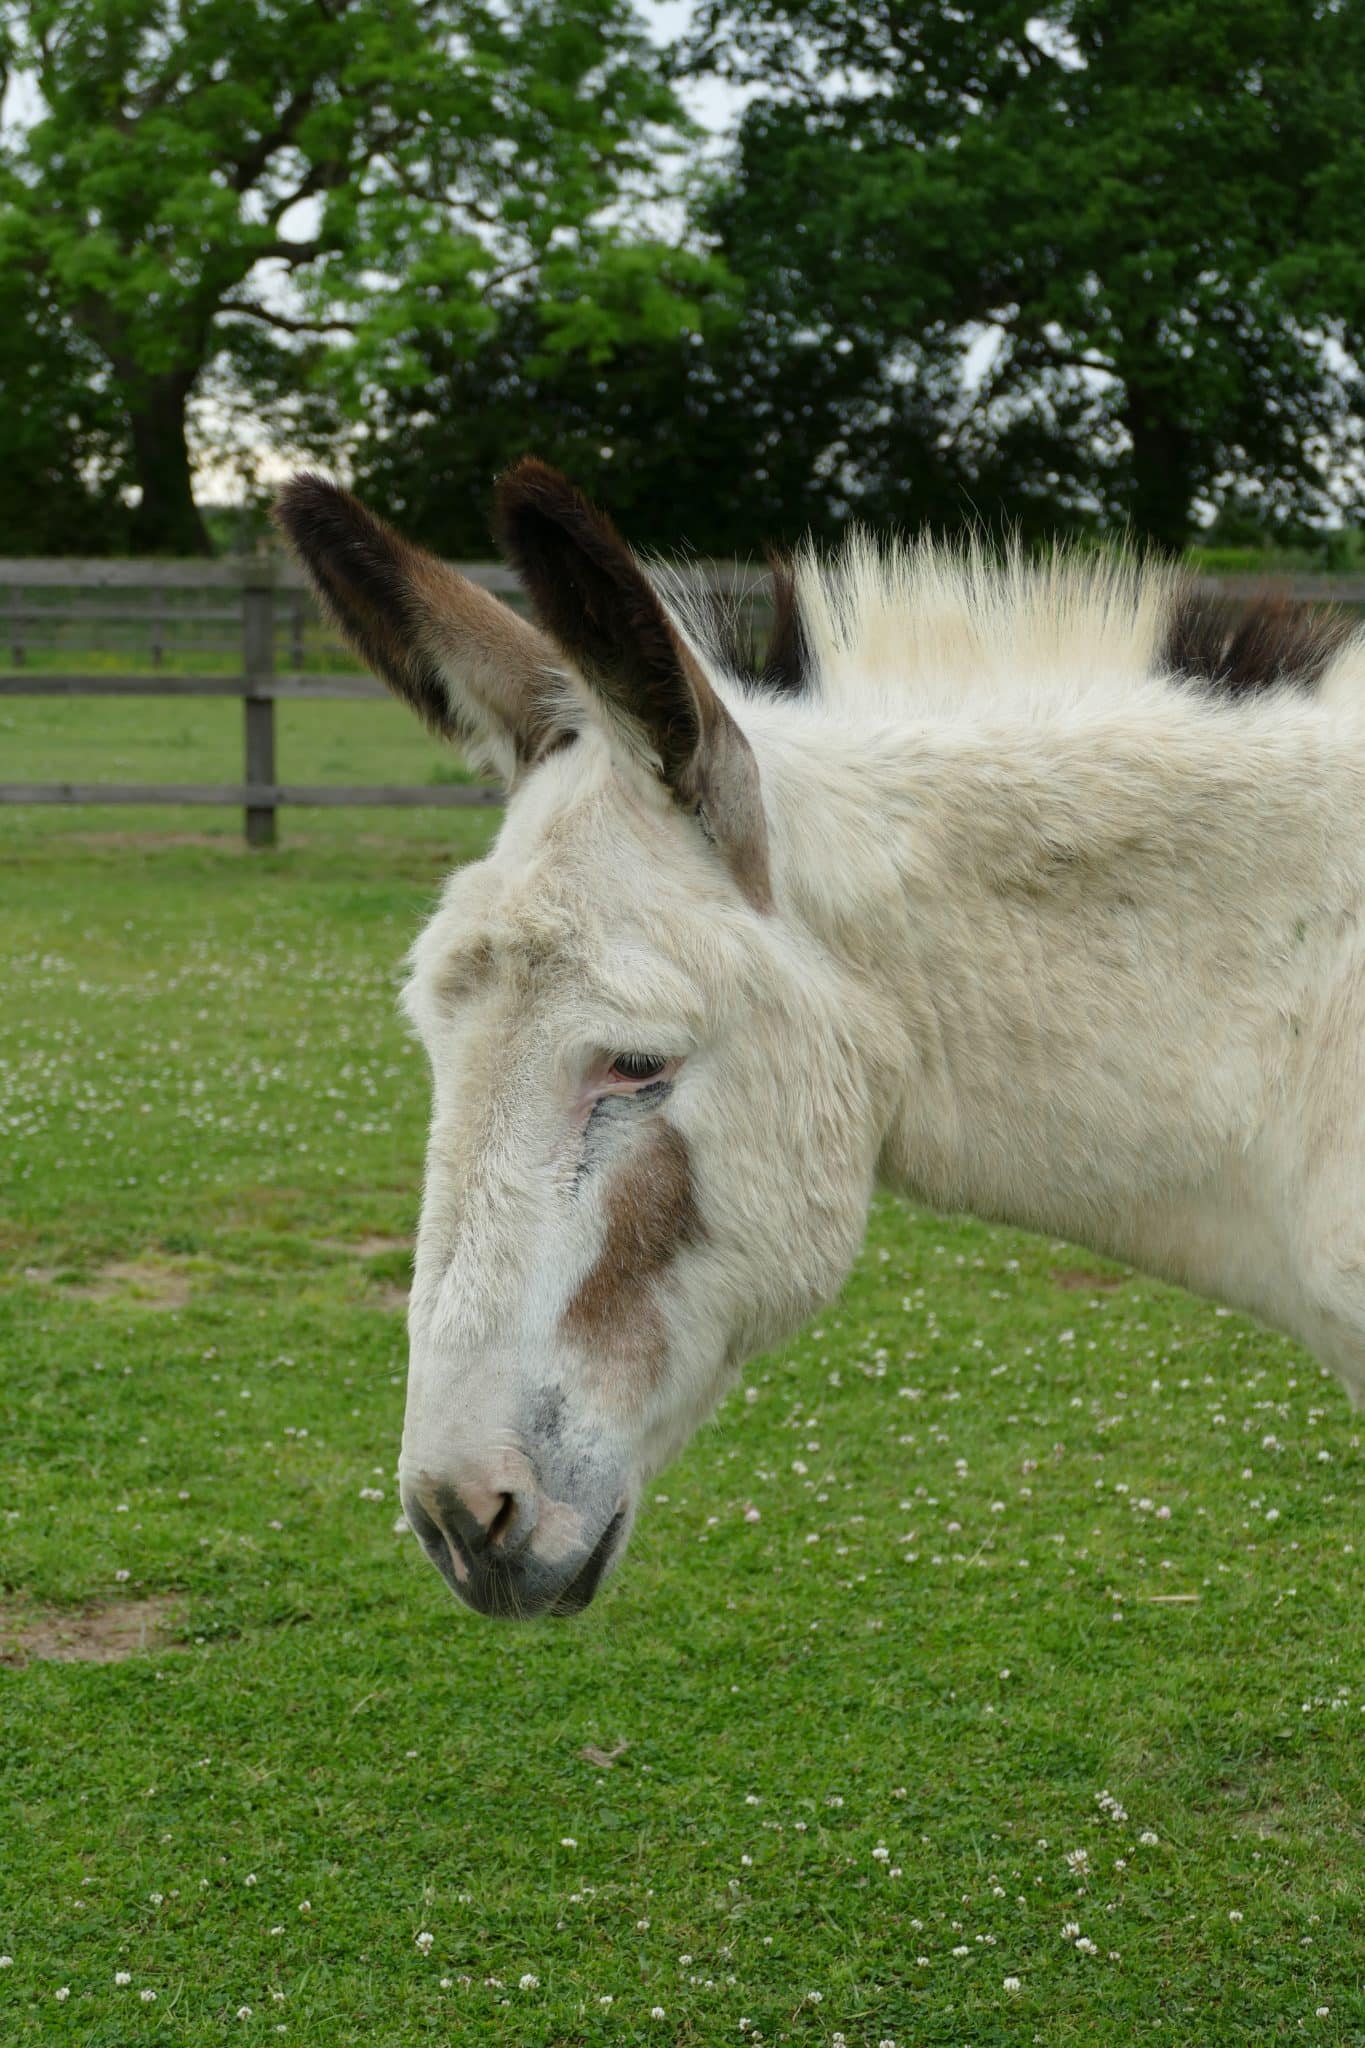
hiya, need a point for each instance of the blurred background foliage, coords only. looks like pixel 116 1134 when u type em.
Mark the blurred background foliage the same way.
pixel 747 270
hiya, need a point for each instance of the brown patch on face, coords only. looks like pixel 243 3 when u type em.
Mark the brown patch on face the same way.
pixel 652 1215
pixel 1237 648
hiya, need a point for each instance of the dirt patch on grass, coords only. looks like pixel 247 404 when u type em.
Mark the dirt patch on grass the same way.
pixel 1078 1280
pixel 389 1263
pixel 151 1282
pixel 372 1247
pixel 221 842
pixel 95 1635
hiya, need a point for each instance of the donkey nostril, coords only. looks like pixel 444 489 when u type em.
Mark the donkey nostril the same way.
pixel 502 1521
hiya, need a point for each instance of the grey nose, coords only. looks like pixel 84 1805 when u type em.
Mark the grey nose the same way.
pixel 480 1542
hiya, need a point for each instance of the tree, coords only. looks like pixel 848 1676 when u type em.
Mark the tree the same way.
pixel 1105 246
pixel 61 435
pixel 670 408
pixel 360 171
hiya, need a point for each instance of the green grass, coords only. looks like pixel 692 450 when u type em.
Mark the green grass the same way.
pixel 1005 1538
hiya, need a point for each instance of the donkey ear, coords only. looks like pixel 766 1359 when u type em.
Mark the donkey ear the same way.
pixel 594 599
pixel 464 661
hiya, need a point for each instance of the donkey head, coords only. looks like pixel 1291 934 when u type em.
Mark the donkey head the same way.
pixel 650 1150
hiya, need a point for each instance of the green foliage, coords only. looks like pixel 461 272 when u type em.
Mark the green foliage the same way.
pixel 1145 203
pixel 64 458
pixel 1006 1531
pixel 391 165
pixel 1089 264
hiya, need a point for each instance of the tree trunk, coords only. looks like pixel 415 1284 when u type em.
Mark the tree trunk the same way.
pixel 1161 486
pixel 166 519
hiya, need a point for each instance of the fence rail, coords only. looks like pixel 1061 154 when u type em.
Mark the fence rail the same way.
pixel 272 594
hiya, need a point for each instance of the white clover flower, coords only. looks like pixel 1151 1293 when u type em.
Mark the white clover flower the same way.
pixel 424 1941
pixel 528 1981
pixel 122 1977
pixel 62 1994
pixel 244 2012
pixel 1011 1984
pixel 147 1997
pixel 656 2012
pixel 1148 1839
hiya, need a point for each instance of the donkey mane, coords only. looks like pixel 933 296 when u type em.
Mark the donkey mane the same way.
pixel 875 625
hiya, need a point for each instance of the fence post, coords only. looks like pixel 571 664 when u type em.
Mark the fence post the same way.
pixel 258 664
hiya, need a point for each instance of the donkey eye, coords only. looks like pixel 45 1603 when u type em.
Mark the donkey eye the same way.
pixel 636 1066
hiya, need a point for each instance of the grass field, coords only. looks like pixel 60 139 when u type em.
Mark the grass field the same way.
pixel 990 1673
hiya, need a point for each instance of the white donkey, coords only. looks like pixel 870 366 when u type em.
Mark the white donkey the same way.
pixel 1034 892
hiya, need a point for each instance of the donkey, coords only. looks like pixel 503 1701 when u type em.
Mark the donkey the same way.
pixel 1030 890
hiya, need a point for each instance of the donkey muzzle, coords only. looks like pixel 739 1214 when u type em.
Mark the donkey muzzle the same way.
pixel 511 1552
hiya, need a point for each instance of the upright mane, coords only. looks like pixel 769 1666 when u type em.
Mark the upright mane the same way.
pixel 876 627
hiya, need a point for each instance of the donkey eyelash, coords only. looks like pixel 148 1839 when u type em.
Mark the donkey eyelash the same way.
pixel 637 1066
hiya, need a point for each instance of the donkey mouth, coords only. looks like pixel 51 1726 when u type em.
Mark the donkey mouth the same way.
pixel 579 1592
pixel 519 1587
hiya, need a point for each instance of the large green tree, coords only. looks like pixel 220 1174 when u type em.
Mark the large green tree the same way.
pixel 368 172
pixel 1103 253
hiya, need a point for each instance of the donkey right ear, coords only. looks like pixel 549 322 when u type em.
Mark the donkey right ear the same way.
pixel 463 660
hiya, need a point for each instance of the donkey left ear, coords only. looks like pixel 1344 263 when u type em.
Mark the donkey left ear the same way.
pixel 464 661
pixel 595 601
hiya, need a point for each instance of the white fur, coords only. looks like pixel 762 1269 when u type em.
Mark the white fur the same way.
pixel 1055 940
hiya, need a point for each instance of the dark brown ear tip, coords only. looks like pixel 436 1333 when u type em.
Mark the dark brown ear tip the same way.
pixel 310 503
pixel 533 493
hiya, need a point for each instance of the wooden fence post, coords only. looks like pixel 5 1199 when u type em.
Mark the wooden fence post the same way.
pixel 258 664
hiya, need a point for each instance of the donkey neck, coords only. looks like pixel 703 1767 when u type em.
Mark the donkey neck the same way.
pixel 1069 933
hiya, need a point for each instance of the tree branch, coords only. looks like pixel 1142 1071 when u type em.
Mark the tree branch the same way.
pixel 282 250
pixel 284 321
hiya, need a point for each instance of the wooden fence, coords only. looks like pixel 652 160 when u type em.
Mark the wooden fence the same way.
pixel 262 596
